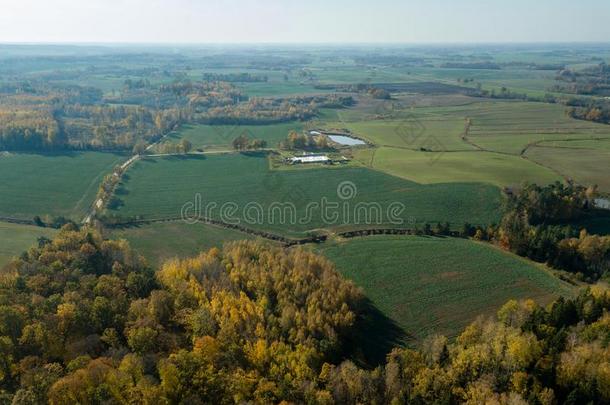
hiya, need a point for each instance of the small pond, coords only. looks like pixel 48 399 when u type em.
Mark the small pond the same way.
pixel 346 140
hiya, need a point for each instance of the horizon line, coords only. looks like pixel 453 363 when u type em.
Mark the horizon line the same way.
pixel 259 43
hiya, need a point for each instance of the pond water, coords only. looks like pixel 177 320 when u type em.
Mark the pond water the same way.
pixel 346 140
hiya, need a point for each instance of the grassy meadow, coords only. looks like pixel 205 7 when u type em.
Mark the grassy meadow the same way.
pixel 507 126
pixel 446 167
pixel 16 239
pixel 52 184
pixel 431 285
pixel 157 188
pixel 179 239
pixel 585 166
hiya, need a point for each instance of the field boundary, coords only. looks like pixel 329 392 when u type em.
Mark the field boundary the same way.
pixel 18 221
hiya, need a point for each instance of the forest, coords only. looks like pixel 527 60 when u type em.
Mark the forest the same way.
pixel 38 116
pixel 86 320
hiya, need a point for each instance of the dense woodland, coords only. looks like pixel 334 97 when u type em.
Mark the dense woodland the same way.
pixel 538 224
pixel 37 116
pixel 85 320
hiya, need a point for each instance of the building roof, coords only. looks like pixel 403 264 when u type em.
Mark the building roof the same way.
pixel 310 159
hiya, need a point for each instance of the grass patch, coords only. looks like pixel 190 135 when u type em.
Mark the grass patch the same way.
pixel 510 126
pixel 16 239
pixel 52 184
pixel 587 167
pixel 439 167
pixel 438 285
pixel 165 240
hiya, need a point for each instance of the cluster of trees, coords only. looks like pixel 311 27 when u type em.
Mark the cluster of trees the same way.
pixel 29 129
pixel 244 142
pixel 184 146
pixel 272 110
pixel 85 320
pixel 590 81
pixel 183 93
pixel 536 224
pixel 378 93
pixel 37 116
pixel 302 141
pixel 113 127
pixel 595 111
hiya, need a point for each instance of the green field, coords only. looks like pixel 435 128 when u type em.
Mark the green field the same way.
pixel 438 285
pixel 52 184
pixel 16 239
pixel 443 167
pixel 159 188
pixel 509 127
pixel 414 132
pixel 599 144
pixel 587 167
pixel 165 240
pixel 220 136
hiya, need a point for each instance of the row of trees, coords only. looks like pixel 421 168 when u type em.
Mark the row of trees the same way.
pixel 85 320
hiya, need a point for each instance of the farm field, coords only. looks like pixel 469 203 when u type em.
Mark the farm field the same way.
pixel 413 132
pixel 160 187
pixel 507 126
pixel 220 136
pixel 431 285
pixel 51 185
pixel 179 239
pixel 599 144
pixel 17 238
pixel 445 167
pixel 587 167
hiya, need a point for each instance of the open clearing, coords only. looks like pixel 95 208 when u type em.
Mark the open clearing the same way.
pixel 438 285
pixel 16 239
pixel 52 184
pixel 158 188
pixel 220 136
pixel 444 167
pixel 179 239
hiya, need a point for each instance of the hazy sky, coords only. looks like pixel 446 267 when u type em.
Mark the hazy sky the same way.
pixel 204 21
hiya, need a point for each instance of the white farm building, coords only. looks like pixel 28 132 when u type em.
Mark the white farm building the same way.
pixel 310 159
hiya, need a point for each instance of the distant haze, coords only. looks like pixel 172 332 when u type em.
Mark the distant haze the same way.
pixel 312 21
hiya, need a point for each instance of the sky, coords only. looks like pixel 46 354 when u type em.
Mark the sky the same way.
pixel 305 21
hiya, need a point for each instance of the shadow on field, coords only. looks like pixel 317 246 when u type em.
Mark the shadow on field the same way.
pixel 374 336
pixel 256 154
